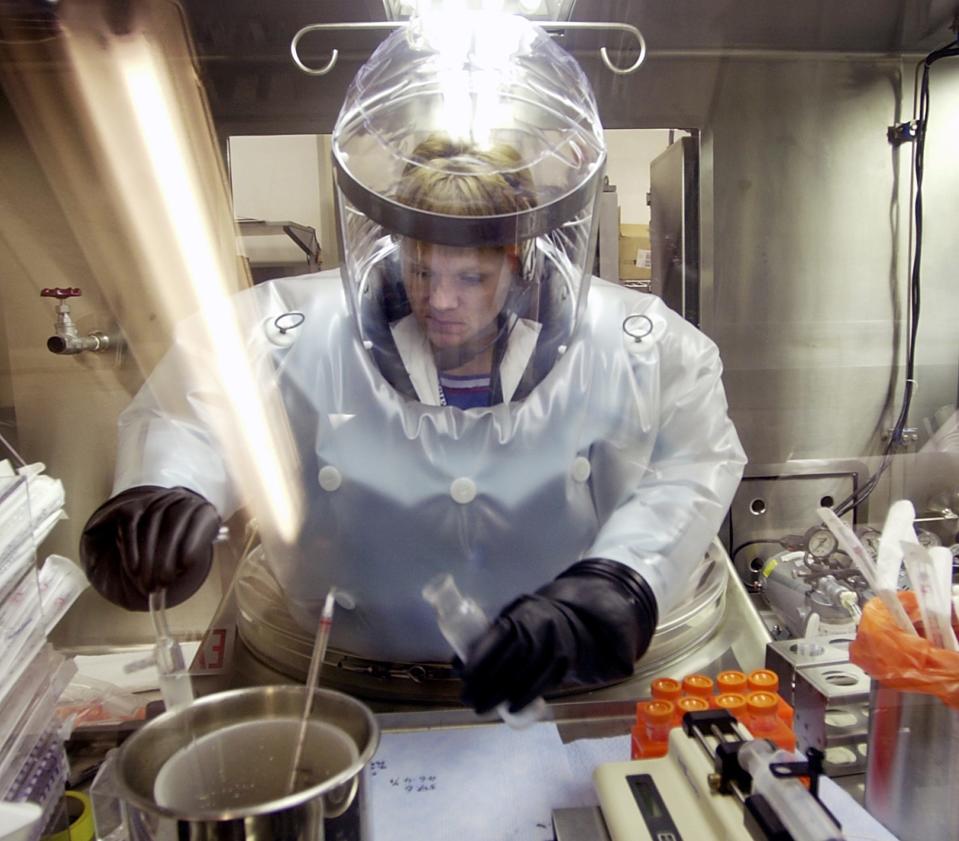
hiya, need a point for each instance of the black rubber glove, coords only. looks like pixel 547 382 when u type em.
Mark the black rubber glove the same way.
pixel 589 625
pixel 146 538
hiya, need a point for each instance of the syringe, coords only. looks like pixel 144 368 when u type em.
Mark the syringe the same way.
pixel 801 814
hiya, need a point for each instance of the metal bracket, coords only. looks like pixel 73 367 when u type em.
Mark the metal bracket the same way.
pixel 811 768
pixel 910 435
pixel 903 133
pixel 547 25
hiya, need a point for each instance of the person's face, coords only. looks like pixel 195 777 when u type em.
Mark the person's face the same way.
pixel 455 293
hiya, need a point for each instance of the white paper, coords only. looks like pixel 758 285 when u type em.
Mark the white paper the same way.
pixel 583 757
pixel 480 783
pixel 492 782
pixel 110 668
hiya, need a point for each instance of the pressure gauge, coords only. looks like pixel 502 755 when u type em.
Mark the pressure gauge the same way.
pixel 927 538
pixel 820 542
pixel 870 539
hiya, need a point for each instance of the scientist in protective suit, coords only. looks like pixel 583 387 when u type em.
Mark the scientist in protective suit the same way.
pixel 464 396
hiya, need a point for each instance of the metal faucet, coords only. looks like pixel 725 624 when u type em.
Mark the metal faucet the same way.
pixel 67 339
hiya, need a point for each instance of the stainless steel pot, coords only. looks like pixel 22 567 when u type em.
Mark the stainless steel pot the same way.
pixel 247 737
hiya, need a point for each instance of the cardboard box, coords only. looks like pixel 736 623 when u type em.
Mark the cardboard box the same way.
pixel 635 254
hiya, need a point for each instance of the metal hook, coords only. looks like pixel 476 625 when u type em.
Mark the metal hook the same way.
pixel 322 71
pixel 621 27
pixel 548 25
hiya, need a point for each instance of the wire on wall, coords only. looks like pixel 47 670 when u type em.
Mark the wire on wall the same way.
pixel 855 499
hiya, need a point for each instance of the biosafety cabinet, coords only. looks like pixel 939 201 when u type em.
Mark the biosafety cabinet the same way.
pixel 783 175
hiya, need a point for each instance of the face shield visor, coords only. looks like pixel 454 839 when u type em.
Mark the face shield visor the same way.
pixel 468 157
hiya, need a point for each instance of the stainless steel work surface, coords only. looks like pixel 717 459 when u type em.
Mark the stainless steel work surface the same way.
pixel 583 824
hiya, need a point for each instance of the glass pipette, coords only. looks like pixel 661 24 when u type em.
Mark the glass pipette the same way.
pixel 319 652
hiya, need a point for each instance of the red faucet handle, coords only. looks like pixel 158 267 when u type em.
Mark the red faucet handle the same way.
pixel 61 293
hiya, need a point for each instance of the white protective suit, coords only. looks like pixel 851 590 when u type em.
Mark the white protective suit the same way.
pixel 624 451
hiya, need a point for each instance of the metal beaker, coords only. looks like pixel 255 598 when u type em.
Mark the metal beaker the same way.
pixel 249 805
pixel 912 765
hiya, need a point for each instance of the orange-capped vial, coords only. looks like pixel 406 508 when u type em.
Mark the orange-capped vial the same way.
pixel 734 702
pixel 650 735
pixel 732 680
pixel 699 686
pixel 762 719
pixel 763 680
pixel 658 716
pixel 689 704
pixel 666 688
pixel 762 703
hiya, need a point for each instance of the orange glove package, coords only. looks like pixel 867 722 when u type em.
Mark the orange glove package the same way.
pixel 901 661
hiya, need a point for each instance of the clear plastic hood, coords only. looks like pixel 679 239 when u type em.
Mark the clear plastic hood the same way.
pixel 468 156
pixel 482 82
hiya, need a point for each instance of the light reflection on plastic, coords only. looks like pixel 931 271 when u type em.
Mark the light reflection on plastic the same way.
pixel 166 152
pixel 471 98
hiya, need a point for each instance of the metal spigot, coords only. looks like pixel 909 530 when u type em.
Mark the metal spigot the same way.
pixel 67 338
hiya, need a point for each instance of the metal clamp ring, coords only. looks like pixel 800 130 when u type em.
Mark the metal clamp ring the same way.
pixel 635 336
pixel 292 315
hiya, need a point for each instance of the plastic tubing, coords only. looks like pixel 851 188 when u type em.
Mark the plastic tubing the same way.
pixel 801 814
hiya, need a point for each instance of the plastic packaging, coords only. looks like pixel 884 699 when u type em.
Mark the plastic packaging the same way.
pixel 801 815
pixel 18 820
pixel 900 660
pixel 897 529
pixel 930 573
pixel 61 583
pixel 462 621
pixel 105 797
pixel 87 700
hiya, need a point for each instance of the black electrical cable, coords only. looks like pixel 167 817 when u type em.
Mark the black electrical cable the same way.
pixel 855 499
pixel 748 543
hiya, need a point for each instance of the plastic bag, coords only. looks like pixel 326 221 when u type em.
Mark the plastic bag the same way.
pixel 87 700
pixel 901 661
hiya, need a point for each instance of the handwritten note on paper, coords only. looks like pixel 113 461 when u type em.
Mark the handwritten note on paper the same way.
pixel 477 783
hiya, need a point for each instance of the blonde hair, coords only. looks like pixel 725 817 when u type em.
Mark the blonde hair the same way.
pixel 455 179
